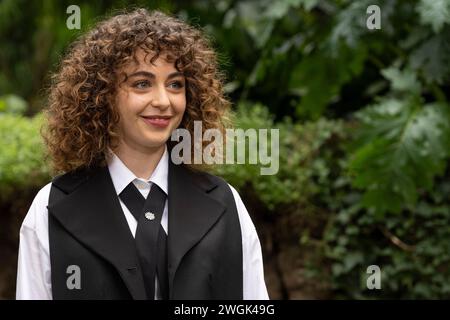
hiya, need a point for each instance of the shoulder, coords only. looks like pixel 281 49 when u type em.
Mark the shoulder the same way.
pixel 37 208
pixel 41 197
pixel 69 181
pixel 37 215
pixel 214 184
pixel 229 194
pixel 224 185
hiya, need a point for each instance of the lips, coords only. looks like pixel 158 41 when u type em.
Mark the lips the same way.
pixel 157 121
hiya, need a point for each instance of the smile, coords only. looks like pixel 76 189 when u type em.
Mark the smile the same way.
pixel 157 121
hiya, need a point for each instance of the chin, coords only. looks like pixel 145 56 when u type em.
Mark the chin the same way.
pixel 154 143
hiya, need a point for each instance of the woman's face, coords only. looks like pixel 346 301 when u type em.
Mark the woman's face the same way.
pixel 151 103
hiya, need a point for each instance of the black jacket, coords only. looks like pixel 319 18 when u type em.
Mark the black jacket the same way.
pixel 88 229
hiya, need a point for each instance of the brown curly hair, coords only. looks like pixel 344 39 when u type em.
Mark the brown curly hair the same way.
pixel 81 120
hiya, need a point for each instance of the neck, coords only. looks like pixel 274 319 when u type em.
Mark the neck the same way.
pixel 141 162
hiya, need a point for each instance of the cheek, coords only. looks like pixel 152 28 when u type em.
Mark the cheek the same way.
pixel 179 110
pixel 122 102
pixel 124 106
pixel 129 105
pixel 119 106
pixel 180 105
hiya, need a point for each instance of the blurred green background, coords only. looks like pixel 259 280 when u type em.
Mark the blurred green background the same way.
pixel 364 125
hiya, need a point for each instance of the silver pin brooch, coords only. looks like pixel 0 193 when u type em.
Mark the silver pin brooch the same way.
pixel 149 216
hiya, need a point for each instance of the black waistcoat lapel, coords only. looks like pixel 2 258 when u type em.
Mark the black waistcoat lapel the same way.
pixel 192 212
pixel 92 214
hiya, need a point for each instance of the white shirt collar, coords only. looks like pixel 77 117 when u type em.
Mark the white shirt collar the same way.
pixel 121 176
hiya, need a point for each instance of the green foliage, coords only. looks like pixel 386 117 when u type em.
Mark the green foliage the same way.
pixel 435 13
pixel 431 58
pixel 300 170
pixel 12 104
pixel 320 76
pixel 411 248
pixel 22 164
pixel 405 146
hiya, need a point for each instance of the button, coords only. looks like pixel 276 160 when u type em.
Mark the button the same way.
pixel 132 270
pixel 149 216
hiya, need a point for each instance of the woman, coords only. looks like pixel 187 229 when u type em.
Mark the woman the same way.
pixel 100 230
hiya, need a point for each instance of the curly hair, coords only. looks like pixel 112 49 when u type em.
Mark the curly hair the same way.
pixel 81 119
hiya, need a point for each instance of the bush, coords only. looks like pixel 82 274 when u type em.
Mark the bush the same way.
pixel 301 170
pixel 342 237
pixel 22 164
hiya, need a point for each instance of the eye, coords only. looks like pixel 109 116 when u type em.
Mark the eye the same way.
pixel 141 84
pixel 177 84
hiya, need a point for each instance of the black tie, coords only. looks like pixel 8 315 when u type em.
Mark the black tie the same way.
pixel 151 239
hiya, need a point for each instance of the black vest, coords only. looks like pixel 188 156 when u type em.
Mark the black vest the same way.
pixel 88 229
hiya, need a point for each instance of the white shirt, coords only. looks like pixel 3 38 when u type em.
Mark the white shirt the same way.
pixel 34 271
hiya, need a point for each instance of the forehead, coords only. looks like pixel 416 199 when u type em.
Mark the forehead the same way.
pixel 142 61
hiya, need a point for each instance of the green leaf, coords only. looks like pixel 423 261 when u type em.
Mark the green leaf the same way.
pixel 434 12
pixel 402 147
pixel 278 9
pixel 350 24
pixel 433 58
pixel 405 80
pixel 319 78
pixel 308 4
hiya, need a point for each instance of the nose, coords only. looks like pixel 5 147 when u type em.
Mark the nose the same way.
pixel 160 98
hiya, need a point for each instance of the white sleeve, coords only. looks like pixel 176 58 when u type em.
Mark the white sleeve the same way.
pixel 253 269
pixel 33 269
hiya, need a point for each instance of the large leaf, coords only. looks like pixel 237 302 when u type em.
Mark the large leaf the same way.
pixel 432 57
pixel 405 80
pixel 434 12
pixel 320 76
pixel 403 147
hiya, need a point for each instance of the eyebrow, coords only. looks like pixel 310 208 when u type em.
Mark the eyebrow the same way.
pixel 152 76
